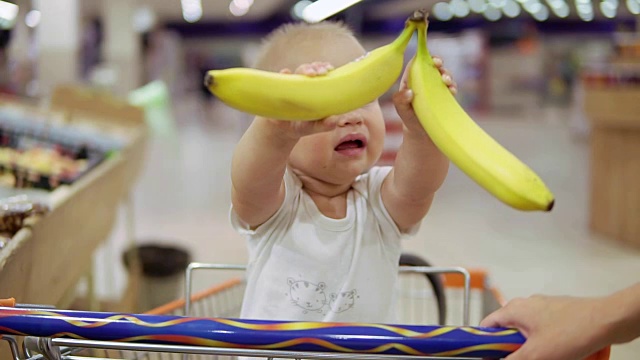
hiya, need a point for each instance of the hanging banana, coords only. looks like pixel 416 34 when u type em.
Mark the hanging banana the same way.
pixel 465 143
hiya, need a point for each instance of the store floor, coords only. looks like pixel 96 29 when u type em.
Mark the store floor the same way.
pixel 183 195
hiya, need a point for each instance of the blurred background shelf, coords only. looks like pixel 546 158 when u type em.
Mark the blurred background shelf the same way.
pixel 45 260
pixel 612 104
pixel 614 112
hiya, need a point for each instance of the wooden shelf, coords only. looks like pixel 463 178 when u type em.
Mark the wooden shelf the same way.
pixel 44 261
pixel 614 113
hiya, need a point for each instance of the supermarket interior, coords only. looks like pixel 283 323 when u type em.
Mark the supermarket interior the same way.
pixel 116 158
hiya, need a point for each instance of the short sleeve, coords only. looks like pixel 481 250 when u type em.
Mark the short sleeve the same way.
pixel 373 180
pixel 293 187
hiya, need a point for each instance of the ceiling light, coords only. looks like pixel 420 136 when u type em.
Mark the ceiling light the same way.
pixel 584 9
pixel 8 14
pixel 143 19
pixel 633 6
pixel 498 3
pixel 442 11
pixel 191 10
pixel 608 9
pixel 561 9
pixel 477 6
pixel 511 8
pixel 492 14
pixel 554 3
pixel 243 4
pixel 298 8
pixel 532 7
pixel 459 8
pixel 587 17
pixel 541 14
pixel 236 10
pixel 323 9
pixel 585 12
pixel 32 19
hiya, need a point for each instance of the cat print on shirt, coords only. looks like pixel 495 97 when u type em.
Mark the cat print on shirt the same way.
pixel 310 296
pixel 343 301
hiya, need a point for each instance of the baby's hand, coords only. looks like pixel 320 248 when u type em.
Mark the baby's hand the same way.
pixel 313 69
pixel 298 129
pixel 402 99
pixel 446 75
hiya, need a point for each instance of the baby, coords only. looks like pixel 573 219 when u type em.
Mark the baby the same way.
pixel 324 224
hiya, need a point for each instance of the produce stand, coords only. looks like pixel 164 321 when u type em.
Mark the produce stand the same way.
pixel 43 262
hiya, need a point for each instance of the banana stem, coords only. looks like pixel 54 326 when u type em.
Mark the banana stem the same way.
pixel 418 16
pixel 208 80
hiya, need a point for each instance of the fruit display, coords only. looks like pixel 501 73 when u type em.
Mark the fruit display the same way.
pixel 15 211
pixel 44 165
pixel 467 145
pixel 43 161
pixel 37 155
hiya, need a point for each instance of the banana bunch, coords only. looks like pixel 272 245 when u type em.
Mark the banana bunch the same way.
pixel 468 146
pixel 300 97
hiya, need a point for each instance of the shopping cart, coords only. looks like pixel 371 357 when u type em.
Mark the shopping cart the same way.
pixel 426 295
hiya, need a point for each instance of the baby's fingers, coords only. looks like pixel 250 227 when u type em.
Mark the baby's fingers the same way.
pixel 448 80
pixel 322 68
pixel 437 61
pixel 314 69
pixel 446 77
pixel 453 87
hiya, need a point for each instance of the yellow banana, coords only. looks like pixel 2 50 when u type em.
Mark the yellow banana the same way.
pixel 300 97
pixel 468 146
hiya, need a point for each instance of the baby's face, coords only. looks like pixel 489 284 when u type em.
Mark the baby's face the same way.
pixel 339 156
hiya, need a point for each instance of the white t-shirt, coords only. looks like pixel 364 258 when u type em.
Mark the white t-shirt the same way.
pixel 304 266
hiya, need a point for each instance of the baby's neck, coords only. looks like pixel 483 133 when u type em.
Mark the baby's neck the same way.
pixel 331 207
pixel 330 199
pixel 317 187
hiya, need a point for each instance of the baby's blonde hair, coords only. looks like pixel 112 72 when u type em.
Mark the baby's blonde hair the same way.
pixel 294 44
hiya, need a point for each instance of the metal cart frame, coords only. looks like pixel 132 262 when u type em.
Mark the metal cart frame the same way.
pixel 35 348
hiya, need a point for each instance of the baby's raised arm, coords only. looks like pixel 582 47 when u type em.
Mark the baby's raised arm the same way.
pixel 260 159
pixel 257 170
pixel 420 168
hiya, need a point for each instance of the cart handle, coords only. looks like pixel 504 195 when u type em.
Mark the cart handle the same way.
pixel 368 338
pixel 604 354
pixel 10 302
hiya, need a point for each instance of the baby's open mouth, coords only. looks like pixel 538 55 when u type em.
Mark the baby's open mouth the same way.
pixel 350 144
